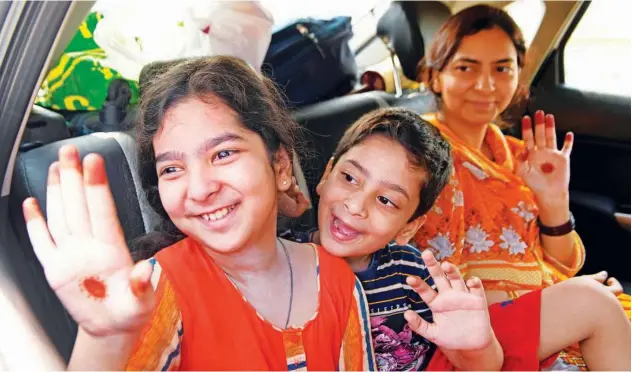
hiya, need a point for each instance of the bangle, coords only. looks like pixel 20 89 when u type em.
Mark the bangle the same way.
pixel 561 230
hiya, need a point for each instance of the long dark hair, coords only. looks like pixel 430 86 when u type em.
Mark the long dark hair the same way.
pixel 255 99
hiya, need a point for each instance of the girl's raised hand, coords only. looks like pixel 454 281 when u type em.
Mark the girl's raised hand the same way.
pixel 83 250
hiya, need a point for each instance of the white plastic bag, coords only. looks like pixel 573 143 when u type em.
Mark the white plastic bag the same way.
pixel 142 32
pixel 238 28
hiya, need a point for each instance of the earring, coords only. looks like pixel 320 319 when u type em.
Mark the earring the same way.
pixel 284 182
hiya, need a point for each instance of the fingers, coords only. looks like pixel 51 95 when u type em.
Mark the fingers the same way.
pixel 43 244
pixel 568 144
pixel 454 276
pixel 73 192
pixel 549 132
pixel 140 278
pixel 527 133
pixel 614 286
pixel 302 202
pixel 476 286
pixel 600 276
pixel 419 325
pixel 422 288
pixel 55 205
pixel 294 189
pixel 435 270
pixel 101 207
pixel 540 132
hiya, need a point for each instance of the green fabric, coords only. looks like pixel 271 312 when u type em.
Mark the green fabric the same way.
pixel 79 81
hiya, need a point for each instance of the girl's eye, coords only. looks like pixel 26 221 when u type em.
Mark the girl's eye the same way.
pixel 349 178
pixel 384 200
pixel 224 154
pixel 168 170
pixel 464 68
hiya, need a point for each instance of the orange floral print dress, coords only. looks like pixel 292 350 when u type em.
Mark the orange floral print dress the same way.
pixel 485 222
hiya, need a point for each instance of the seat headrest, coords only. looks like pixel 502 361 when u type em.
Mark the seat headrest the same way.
pixel 410 26
pixel 118 151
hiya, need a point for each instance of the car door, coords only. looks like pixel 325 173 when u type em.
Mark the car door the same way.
pixel 29 32
pixel 584 83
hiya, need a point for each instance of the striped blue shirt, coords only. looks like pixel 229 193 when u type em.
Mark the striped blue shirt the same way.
pixel 397 348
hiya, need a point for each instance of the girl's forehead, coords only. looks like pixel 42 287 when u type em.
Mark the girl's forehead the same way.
pixel 194 120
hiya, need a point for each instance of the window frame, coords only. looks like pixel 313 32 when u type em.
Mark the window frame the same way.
pixel 561 74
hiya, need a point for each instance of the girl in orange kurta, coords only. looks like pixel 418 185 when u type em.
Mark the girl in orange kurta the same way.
pixel 202 321
pixel 226 294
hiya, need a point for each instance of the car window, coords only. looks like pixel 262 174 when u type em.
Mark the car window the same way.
pixel 528 15
pixel 597 54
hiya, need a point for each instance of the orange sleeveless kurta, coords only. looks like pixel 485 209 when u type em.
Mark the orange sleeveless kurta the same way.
pixel 219 330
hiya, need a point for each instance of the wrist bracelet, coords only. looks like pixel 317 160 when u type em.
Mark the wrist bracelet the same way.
pixel 561 230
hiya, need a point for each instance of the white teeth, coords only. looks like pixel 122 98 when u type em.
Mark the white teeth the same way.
pixel 336 222
pixel 219 214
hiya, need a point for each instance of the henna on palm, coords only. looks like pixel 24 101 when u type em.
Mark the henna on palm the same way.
pixel 547 168
pixel 94 288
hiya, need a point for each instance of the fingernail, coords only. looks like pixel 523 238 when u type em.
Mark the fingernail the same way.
pixel 549 121
pixel 138 287
pixel 526 123
pixel 68 157
pixel 569 136
pixel 94 170
pixel 30 208
pixel 411 280
pixel 53 174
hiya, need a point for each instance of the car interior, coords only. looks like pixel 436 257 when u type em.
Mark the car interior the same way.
pixel 31 135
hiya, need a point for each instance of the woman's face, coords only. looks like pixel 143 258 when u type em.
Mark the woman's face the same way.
pixel 480 80
pixel 215 179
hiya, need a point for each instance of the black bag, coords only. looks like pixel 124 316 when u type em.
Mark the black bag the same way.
pixel 311 60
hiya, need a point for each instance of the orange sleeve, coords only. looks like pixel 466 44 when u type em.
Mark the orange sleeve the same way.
pixel 579 253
